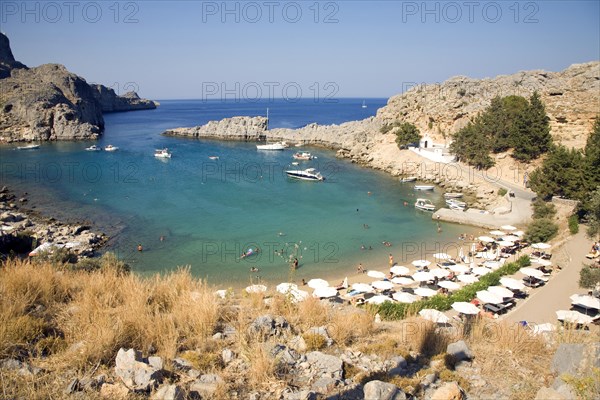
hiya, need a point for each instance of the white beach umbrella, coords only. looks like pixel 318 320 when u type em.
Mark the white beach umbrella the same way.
pixel 508 227
pixel 442 256
pixel 487 255
pixel 542 262
pixel 465 308
pixel 404 297
pixel 379 299
pixel 536 273
pixel 573 317
pixel 458 268
pixel 421 263
pixel 399 270
pixel 362 287
pixel 497 233
pixel 317 283
pixel 376 274
pixel 403 281
pixel 461 254
pixel 510 238
pixel 449 285
pixel 325 292
pixel 467 278
pixel 440 272
pixel 382 285
pixel 489 297
pixel 505 243
pixel 518 233
pixel 541 246
pixel 501 291
pixel 480 271
pixel 434 316
pixel 585 301
pixel 425 292
pixel 256 289
pixel 512 283
pixel 423 276
pixel 485 239
pixel 493 265
pixel 286 287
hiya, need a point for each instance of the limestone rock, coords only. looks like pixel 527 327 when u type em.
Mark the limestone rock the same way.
pixel 448 391
pixel 111 102
pixel 113 391
pixel 134 372
pixel 169 392
pixel 266 326
pixel 378 390
pixel 460 351
pixel 206 385
pixel 548 394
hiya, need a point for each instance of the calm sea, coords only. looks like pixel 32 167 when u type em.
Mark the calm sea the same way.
pixel 207 212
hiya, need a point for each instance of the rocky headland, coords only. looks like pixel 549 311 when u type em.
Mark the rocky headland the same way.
pixel 50 103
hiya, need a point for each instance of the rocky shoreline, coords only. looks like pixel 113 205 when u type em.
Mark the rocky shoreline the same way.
pixel 23 229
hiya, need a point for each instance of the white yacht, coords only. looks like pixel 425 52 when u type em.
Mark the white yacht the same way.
pixel 408 179
pixel 162 153
pixel 424 187
pixel 110 147
pixel 29 147
pixel 271 146
pixel 93 148
pixel 304 155
pixel 309 174
pixel 424 204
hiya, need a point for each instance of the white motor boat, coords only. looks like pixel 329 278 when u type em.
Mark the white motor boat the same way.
pixel 110 147
pixel 456 205
pixel 453 195
pixel 271 146
pixel 93 148
pixel 408 179
pixel 29 147
pixel 162 153
pixel 424 204
pixel 309 174
pixel 213 157
pixel 424 187
pixel 304 155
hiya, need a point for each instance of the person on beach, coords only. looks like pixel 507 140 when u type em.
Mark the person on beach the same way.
pixel 360 269
pixel 391 258
pixel 295 264
pixel 303 282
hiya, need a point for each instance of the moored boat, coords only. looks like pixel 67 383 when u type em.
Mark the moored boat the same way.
pixel 162 153
pixel 271 146
pixel 424 204
pixel 213 157
pixel 454 204
pixel 303 155
pixel 408 179
pixel 424 187
pixel 29 147
pixel 453 195
pixel 110 147
pixel 93 148
pixel 309 174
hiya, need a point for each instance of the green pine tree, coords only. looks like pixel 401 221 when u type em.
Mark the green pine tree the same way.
pixel 561 174
pixel 531 132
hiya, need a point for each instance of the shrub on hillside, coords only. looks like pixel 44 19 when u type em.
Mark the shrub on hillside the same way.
pixel 541 230
pixel 589 277
pixel 542 209
pixel 573 224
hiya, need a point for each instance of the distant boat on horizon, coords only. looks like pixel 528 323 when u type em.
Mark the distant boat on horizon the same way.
pixel 364 104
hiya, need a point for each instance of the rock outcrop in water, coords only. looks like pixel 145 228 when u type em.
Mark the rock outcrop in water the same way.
pixel 50 103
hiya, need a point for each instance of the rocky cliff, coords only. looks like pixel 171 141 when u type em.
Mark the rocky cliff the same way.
pixel 572 99
pixel 50 103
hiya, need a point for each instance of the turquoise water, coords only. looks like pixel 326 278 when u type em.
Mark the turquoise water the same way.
pixel 209 211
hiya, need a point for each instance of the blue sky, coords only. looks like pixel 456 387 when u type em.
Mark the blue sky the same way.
pixel 216 49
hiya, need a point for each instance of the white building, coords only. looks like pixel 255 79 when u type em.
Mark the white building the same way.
pixel 433 151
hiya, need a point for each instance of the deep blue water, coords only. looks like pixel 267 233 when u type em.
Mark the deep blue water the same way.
pixel 208 212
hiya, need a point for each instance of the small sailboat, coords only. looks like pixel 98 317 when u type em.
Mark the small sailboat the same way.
pixel 424 205
pixel 364 104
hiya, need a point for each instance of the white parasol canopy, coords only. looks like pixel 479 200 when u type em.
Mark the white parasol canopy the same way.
pixel 518 233
pixel 465 308
pixel 376 274
pixel 440 272
pixel 362 287
pixel 493 265
pixel 573 317
pixel 485 239
pixel 379 299
pixel 425 292
pixel 434 316
pixel 585 301
pixel 442 256
pixel 459 268
pixel 256 289
pixel 512 283
pixel 505 243
pixel 382 285
pixel 541 246
pixel 404 297
pixel 542 262
pixel 508 227
pixel 403 281
pixel 511 238
pixel 489 297
pixel 286 287
pixel 501 291
pixel 480 271
pixel 421 263
pixel 317 283
pixel 497 233
pixel 467 278
pixel 423 276
pixel 536 273
pixel 399 270
pixel 325 292
pixel 449 285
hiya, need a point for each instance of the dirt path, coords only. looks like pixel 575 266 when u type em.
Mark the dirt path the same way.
pixel 542 303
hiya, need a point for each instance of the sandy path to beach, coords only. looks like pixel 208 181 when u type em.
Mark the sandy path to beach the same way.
pixel 542 303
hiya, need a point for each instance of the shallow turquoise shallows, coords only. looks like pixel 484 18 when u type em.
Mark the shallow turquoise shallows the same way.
pixel 194 211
